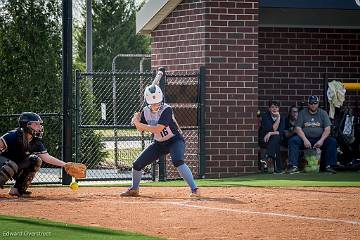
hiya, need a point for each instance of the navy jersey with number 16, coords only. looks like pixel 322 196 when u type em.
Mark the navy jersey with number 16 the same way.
pixel 164 117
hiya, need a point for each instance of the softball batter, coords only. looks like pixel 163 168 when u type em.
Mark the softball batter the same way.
pixel 158 119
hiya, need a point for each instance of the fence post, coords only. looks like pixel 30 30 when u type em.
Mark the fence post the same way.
pixel 67 87
pixel 201 122
pixel 77 114
pixel 162 162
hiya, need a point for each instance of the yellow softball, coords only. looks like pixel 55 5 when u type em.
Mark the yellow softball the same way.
pixel 74 186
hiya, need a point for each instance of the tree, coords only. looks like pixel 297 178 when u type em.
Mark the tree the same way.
pixel 30 58
pixel 114 32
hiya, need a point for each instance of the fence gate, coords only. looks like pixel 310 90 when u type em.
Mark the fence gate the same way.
pixel 106 141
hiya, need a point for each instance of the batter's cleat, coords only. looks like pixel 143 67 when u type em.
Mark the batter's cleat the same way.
pixel 15 192
pixel 130 193
pixel 195 193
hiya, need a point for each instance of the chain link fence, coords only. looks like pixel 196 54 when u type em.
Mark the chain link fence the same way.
pixel 52 140
pixel 105 139
pixel 181 92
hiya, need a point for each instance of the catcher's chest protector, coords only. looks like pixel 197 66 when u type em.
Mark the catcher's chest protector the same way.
pixel 16 149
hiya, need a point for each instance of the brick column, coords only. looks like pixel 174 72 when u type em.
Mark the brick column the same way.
pixel 222 36
pixel 231 87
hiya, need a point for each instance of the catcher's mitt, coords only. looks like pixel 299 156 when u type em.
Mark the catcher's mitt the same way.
pixel 77 170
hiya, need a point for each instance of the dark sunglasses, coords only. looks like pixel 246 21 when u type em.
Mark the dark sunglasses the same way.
pixel 313 103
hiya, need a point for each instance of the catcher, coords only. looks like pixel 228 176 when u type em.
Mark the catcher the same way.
pixel 22 153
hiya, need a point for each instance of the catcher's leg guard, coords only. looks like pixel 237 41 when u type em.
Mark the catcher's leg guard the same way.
pixel 24 179
pixel 7 171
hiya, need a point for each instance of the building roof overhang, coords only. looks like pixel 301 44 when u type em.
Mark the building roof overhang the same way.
pixel 153 13
pixel 275 13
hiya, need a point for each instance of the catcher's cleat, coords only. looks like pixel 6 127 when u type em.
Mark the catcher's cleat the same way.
pixel 195 193
pixel 130 193
pixel 15 192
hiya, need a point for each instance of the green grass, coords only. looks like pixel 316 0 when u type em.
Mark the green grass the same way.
pixel 26 228
pixel 341 179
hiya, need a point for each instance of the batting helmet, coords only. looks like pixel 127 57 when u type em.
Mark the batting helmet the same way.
pixel 25 120
pixel 153 94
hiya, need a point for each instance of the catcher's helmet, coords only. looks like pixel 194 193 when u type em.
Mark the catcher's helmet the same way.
pixel 153 94
pixel 25 120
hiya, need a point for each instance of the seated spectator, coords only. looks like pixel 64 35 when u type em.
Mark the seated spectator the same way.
pixel 290 120
pixel 313 129
pixel 270 135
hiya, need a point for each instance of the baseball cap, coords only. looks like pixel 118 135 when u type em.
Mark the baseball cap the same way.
pixel 313 99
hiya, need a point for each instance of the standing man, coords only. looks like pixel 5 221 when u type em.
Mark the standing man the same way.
pixel 270 135
pixel 313 129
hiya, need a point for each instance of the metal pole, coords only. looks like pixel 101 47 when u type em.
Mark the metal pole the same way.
pixel 162 162
pixel 67 86
pixel 77 115
pixel 114 111
pixel 89 52
pixel 141 97
pixel 201 122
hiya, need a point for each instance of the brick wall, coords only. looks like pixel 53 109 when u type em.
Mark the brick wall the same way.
pixel 292 63
pixel 178 43
pixel 223 37
pixel 232 65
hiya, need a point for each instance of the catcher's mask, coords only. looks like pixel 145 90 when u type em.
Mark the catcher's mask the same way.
pixel 31 123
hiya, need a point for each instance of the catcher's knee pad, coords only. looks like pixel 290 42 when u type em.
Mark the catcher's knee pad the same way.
pixel 7 171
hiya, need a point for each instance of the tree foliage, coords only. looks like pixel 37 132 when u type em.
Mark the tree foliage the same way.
pixel 114 32
pixel 30 62
pixel 30 56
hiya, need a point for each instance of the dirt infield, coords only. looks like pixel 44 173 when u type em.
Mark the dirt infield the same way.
pixel 223 213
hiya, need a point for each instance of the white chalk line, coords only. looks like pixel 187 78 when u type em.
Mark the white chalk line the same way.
pixel 286 215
